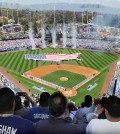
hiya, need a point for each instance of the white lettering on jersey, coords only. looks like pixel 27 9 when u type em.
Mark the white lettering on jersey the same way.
pixel 7 130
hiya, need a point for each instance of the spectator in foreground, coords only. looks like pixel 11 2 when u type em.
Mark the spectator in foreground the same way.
pixel 40 112
pixel 56 123
pixel 82 104
pixel 110 125
pixel 72 110
pixel 10 123
pixel 26 103
pixel 97 107
pixel 81 113
pixel 19 108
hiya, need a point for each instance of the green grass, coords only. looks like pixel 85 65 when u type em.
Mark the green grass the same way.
pixel 82 91
pixel 73 78
pixel 15 63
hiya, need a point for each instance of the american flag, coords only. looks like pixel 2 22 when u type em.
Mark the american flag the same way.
pixel 60 57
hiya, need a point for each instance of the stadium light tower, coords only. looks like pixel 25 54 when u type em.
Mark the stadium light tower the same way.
pixel 6 5
pixel 82 16
pixel 31 34
pixel 17 5
pixel 12 4
pixel 43 34
pixel 87 16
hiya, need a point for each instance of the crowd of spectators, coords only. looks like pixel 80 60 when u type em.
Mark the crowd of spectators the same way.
pixel 5 82
pixel 20 44
pixel 92 44
pixel 55 114
pixel 114 83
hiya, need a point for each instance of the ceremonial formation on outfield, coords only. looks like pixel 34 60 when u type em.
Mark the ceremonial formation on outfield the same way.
pixel 67 74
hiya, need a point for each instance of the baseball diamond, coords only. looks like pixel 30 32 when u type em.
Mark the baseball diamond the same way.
pixel 52 73
pixel 91 62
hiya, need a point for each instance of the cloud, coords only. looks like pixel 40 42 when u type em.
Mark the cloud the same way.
pixel 111 3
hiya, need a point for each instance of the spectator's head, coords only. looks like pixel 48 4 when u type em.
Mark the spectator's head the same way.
pixel 26 103
pixel 7 101
pixel 102 101
pixel 44 97
pixel 88 100
pixel 82 104
pixel 112 107
pixel 18 103
pixel 57 104
pixel 71 107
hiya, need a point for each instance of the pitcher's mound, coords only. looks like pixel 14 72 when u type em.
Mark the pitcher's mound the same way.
pixel 64 79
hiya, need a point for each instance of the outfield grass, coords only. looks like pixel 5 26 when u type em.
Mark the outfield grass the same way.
pixel 15 63
pixel 82 91
pixel 73 78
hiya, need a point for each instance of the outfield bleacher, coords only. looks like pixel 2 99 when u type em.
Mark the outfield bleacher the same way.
pixel 112 83
pixel 117 70
pixel 5 82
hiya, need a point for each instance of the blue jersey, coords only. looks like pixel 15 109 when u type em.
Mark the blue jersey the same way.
pixel 36 113
pixel 15 125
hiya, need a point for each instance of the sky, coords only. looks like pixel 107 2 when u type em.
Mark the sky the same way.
pixel 111 3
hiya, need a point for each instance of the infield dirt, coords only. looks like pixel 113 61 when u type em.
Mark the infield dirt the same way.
pixel 44 70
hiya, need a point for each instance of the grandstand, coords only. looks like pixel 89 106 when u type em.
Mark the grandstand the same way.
pixel 11 28
pixel 117 70
pixel 116 90
pixel 6 80
pixel 115 81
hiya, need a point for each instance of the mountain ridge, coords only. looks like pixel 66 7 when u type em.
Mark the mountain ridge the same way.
pixel 66 6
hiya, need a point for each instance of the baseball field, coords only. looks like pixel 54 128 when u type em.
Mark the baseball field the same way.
pixel 15 64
